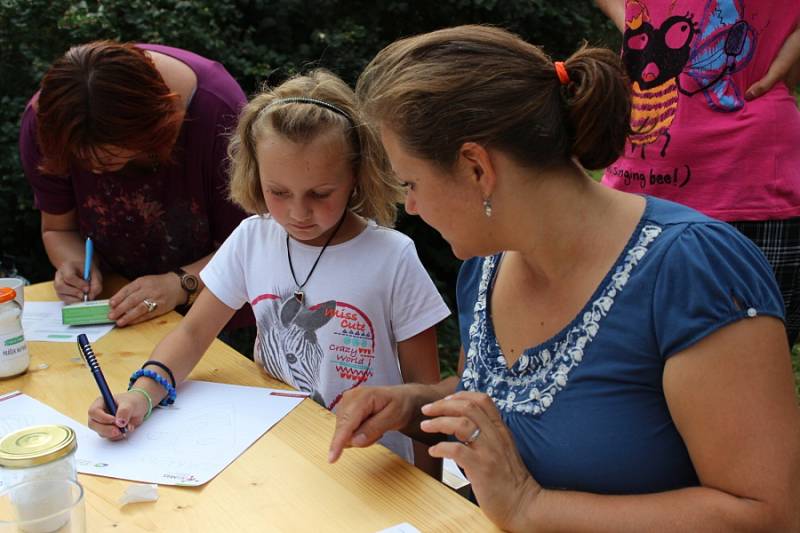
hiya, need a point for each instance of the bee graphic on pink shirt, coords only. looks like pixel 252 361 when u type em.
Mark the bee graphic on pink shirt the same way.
pixel 682 56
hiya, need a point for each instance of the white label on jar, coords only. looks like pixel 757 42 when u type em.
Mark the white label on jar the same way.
pixel 13 346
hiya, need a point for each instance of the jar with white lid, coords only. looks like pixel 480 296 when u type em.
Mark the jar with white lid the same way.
pixel 14 356
pixel 38 452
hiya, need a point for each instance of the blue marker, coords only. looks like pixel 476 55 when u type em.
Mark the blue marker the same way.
pixel 87 267
pixel 94 366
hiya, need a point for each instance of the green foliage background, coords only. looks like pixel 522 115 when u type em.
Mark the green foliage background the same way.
pixel 258 41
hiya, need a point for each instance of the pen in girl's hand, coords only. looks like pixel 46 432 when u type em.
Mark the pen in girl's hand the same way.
pixel 94 366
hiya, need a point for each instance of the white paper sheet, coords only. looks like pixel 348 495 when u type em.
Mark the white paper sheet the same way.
pixel 189 443
pixel 41 321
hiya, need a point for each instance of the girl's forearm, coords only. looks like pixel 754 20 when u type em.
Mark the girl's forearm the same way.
pixel 180 351
pixel 614 10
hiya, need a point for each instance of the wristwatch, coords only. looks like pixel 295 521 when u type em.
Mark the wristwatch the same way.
pixel 189 283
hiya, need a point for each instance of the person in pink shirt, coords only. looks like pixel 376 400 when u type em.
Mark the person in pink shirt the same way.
pixel 714 124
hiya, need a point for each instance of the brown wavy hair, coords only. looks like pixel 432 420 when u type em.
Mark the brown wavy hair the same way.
pixel 438 90
pixel 104 93
pixel 376 194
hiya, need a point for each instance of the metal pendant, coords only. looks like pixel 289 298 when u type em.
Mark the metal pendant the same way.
pixel 299 295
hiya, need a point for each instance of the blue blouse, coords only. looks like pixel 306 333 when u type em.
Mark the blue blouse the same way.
pixel 586 407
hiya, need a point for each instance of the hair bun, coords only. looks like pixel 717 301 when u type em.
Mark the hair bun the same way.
pixel 598 106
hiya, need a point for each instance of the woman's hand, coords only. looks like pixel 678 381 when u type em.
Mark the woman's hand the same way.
pixel 131 410
pixel 70 285
pixel 366 413
pixel 500 481
pixel 145 298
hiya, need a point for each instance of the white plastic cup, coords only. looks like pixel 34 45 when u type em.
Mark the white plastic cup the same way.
pixel 18 285
pixel 43 506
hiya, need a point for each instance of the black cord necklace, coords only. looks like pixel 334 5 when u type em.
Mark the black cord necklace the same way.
pixel 298 293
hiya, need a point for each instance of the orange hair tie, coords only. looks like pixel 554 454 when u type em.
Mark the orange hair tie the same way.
pixel 561 72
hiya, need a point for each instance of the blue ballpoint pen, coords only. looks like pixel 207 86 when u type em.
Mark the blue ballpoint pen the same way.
pixel 87 266
pixel 94 366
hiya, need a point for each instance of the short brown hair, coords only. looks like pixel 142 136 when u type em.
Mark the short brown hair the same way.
pixel 377 192
pixel 483 84
pixel 104 93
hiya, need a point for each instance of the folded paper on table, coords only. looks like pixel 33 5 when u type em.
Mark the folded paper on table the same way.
pixel 42 321
pixel 452 475
pixel 189 443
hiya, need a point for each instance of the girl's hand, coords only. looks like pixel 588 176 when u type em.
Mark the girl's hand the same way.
pixel 131 410
pixel 505 490
pixel 785 67
pixel 366 413
pixel 70 285
pixel 128 306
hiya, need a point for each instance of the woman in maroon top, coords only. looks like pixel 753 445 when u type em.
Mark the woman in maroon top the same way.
pixel 126 144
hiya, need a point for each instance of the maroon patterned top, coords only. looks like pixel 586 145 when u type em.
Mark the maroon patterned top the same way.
pixel 153 220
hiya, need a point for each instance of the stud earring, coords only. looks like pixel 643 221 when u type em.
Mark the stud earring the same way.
pixel 487 207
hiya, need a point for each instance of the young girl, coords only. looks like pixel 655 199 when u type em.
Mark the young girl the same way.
pixel 340 299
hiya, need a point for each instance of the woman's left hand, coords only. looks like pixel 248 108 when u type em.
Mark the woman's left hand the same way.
pixel 500 481
pixel 145 298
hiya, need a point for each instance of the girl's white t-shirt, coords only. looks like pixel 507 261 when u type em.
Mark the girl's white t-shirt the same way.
pixel 364 296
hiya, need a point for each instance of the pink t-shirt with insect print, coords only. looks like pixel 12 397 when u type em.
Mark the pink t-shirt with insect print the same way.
pixel 695 139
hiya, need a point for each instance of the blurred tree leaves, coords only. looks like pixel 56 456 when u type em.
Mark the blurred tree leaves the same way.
pixel 258 41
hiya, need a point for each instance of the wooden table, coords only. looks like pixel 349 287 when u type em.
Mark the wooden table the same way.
pixel 281 483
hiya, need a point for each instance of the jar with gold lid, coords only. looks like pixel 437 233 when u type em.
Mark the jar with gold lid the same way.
pixel 38 452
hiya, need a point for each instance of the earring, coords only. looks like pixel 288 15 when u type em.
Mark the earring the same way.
pixel 487 207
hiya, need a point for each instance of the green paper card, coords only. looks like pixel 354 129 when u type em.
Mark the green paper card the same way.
pixel 84 313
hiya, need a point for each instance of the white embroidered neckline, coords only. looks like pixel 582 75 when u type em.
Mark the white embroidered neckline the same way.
pixel 532 383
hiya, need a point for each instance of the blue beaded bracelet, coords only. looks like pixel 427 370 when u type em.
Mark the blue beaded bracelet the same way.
pixel 169 399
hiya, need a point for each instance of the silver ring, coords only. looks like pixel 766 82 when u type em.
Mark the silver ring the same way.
pixel 150 305
pixel 473 437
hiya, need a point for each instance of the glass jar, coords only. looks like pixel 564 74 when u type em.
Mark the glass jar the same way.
pixel 38 452
pixel 14 356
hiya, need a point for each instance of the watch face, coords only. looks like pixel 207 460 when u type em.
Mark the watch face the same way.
pixel 189 282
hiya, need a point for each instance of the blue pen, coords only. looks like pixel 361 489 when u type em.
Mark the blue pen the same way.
pixel 87 266
pixel 94 366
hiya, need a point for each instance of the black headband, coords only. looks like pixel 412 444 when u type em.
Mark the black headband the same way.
pixel 314 101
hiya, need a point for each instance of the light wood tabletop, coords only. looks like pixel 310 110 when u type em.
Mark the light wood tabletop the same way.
pixel 281 483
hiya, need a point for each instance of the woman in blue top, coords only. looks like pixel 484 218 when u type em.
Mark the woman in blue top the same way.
pixel 624 363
